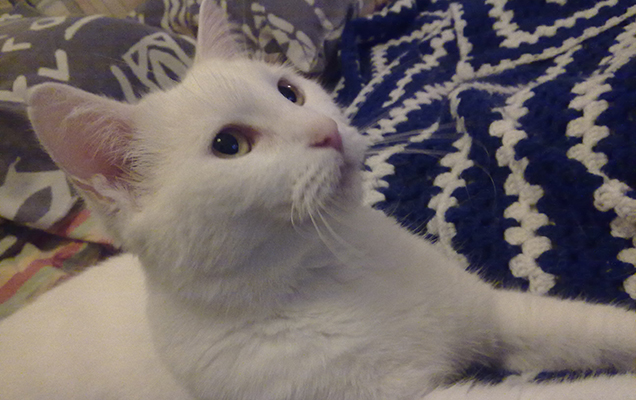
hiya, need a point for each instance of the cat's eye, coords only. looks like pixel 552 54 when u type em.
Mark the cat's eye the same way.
pixel 291 92
pixel 230 142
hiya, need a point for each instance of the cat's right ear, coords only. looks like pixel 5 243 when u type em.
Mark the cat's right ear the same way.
pixel 88 137
pixel 215 37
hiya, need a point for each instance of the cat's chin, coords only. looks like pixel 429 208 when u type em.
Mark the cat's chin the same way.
pixel 324 190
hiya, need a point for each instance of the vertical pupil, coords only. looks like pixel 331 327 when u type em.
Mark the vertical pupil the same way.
pixel 288 93
pixel 225 143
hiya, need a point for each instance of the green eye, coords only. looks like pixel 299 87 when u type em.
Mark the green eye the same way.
pixel 291 92
pixel 229 143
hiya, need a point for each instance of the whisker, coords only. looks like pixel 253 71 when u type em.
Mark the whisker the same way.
pixel 335 210
pixel 321 235
pixel 323 238
pixel 373 122
pixel 426 152
pixel 296 218
pixel 347 248
pixel 292 218
pixel 446 127
pixel 435 131
pixel 406 137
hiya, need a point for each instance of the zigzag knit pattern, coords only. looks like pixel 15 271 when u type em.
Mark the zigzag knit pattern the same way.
pixel 506 130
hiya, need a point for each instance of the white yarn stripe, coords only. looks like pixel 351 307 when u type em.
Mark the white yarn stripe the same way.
pixel 428 62
pixel 489 87
pixel 378 165
pixel 623 51
pixel 630 286
pixel 550 52
pixel 524 210
pixel 514 37
pixel 457 162
pixel 339 86
pixel 611 195
pixel 353 108
pixel 463 69
pixel 426 32
pixel 380 75
pixel 380 168
pixel 374 179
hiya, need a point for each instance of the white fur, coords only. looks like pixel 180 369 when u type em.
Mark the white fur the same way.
pixel 262 277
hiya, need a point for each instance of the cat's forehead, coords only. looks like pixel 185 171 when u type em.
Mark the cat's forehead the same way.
pixel 229 88
pixel 240 75
pixel 241 91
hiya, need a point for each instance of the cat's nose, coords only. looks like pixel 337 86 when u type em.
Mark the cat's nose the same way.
pixel 327 135
pixel 333 140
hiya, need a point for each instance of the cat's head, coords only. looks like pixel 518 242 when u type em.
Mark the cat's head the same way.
pixel 235 138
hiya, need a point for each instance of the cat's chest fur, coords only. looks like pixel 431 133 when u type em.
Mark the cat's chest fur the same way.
pixel 367 311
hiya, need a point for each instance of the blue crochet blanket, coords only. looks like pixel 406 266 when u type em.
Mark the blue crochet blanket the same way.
pixel 507 131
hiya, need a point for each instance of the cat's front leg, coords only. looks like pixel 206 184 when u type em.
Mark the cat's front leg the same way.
pixel 539 332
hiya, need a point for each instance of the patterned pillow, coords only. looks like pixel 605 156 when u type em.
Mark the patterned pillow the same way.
pixel 42 217
pixel 301 32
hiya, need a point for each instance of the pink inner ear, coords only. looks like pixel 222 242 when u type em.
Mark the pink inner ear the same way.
pixel 84 134
pixel 103 155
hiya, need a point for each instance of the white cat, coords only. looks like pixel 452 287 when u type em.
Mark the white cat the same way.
pixel 253 270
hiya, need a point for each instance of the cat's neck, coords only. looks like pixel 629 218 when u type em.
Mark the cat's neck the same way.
pixel 263 264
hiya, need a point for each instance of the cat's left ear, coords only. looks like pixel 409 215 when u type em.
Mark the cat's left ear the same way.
pixel 88 137
pixel 215 37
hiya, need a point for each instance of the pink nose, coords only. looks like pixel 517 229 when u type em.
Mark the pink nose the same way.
pixel 333 140
pixel 327 136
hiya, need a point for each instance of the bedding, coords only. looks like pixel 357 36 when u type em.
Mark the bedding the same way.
pixel 502 129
